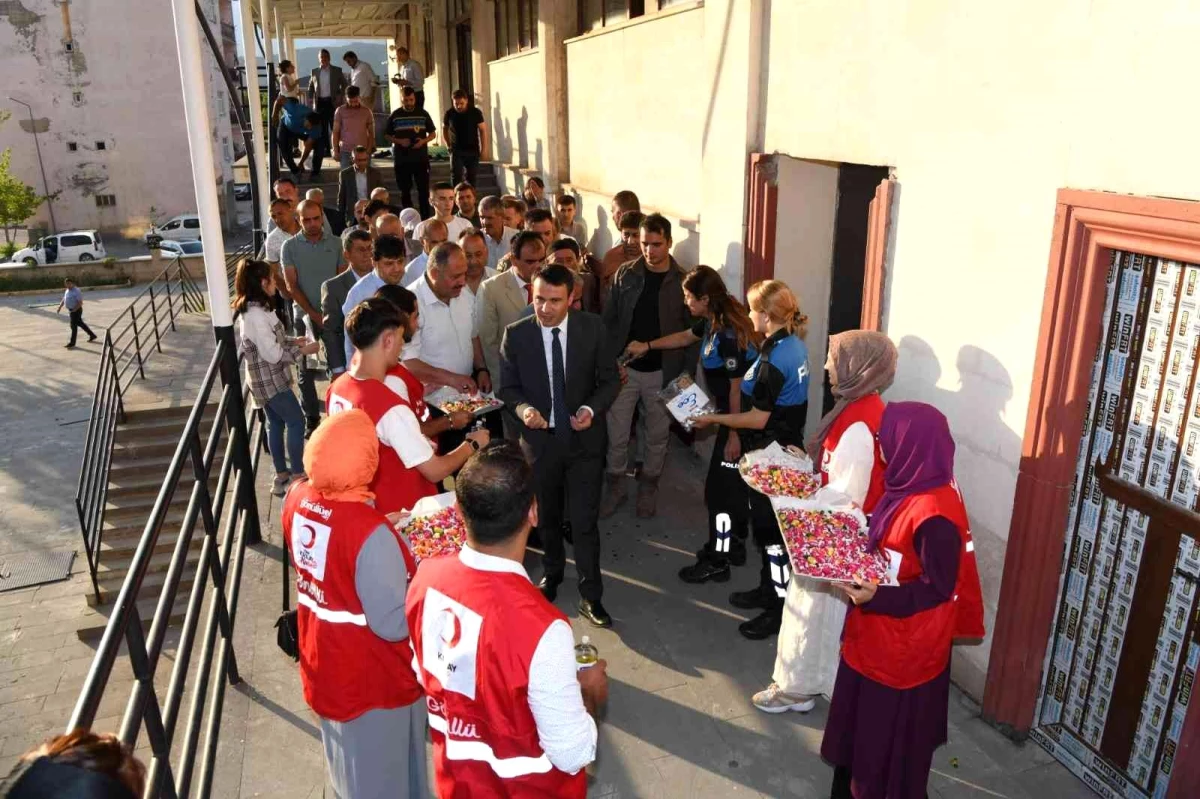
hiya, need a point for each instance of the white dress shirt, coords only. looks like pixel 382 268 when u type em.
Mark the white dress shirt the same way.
pixel 414 270
pixel 521 284
pixel 454 228
pixel 447 330
pixel 566 732
pixel 323 82
pixel 360 184
pixel 497 248
pixel 488 273
pixel 410 71
pixel 548 343
pixel 362 76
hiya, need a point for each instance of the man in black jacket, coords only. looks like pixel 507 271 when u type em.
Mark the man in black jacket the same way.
pixel 645 302
pixel 558 376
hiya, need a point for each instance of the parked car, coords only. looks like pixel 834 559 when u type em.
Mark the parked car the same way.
pixel 173 249
pixel 180 228
pixel 63 248
pixel 241 191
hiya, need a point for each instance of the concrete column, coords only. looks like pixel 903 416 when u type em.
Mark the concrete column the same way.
pixel 557 22
pixel 250 59
pixel 483 51
pixel 443 72
pixel 279 42
pixel 265 17
pixel 733 50
pixel 204 172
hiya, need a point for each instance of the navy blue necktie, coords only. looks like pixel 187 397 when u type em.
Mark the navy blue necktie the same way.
pixel 562 418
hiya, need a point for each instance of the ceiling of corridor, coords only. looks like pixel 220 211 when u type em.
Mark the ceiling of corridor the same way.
pixel 335 18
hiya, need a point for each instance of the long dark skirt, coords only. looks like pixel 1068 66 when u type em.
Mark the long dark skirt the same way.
pixel 885 737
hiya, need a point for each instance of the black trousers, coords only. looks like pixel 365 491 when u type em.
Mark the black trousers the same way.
pixel 464 166
pixel 568 481
pixel 287 140
pixel 407 171
pixel 726 495
pixel 420 99
pixel 77 323
pixel 322 148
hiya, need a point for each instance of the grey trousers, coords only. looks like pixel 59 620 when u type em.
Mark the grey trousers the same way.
pixel 379 755
pixel 640 391
pixel 305 377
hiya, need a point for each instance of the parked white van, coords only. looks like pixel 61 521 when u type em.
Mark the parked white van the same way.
pixel 63 248
pixel 185 227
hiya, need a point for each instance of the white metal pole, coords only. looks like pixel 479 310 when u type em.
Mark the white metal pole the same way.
pixel 204 172
pixel 250 59
pixel 265 17
pixel 278 33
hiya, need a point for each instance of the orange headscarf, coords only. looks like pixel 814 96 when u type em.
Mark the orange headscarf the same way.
pixel 342 455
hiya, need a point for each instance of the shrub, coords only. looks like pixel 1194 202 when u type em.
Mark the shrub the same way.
pixel 10 282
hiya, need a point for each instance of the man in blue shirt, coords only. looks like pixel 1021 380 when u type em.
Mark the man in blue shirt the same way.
pixel 389 269
pixel 296 123
pixel 73 299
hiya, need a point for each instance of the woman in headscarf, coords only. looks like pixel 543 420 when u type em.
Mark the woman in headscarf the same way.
pixel 352 576
pixel 892 692
pixel 861 364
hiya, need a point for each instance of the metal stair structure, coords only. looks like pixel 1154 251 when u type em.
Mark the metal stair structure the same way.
pixel 439 171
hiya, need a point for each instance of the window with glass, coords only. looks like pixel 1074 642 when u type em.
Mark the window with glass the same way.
pixel 597 14
pixel 516 26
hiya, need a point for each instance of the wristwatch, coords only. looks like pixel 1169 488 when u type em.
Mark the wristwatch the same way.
pixel 474 444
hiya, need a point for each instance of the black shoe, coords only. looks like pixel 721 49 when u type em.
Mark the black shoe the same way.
pixel 311 425
pixel 595 613
pixel 90 340
pixel 705 569
pixel 68 346
pixel 737 552
pixel 757 598
pixel 567 534
pixel 764 625
pixel 549 587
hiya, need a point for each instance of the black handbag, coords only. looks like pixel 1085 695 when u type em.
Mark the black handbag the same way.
pixel 287 631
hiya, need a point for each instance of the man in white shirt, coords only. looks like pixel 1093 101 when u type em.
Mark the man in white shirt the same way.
pixel 409 73
pixel 442 198
pixel 474 247
pixel 286 224
pixel 497 236
pixel 362 76
pixel 446 351
pixel 326 88
pixel 546 740
pixel 433 234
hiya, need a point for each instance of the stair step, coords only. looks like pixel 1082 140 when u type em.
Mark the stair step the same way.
pixel 110 575
pixel 136 516
pixel 125 547
pixel 95 619
pixel 152 585
pixel 139 414
pixel 157 463
pixel 151 443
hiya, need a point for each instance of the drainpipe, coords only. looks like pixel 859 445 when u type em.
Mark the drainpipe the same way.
pixel 37 146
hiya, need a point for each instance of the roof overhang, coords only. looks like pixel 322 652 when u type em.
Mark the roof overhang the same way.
pixel 339 18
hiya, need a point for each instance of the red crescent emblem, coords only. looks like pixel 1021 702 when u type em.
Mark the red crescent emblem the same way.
pixel 451 629
pixel 308 536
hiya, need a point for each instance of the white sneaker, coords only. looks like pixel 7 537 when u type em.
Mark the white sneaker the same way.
pixel 774 700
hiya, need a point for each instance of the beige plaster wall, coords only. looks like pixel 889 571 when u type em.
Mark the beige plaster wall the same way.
pixel 518 118
pixel 985 110
pixel 637 109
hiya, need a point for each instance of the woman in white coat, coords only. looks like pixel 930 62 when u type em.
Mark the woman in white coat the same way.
pixel 845 446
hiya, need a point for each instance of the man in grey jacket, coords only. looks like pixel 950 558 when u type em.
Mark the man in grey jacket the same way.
pixel 326 90
pixel 357 247
pixel 645 302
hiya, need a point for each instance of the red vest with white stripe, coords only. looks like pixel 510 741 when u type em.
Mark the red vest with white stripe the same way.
pixel 474 634
pixel 395 486
pixel 345 668
pixel 869 411
pixel 906 652
pixel 416 391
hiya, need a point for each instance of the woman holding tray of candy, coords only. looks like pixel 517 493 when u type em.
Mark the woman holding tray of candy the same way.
pixel 773 403
pixel 727 348
pixel 892 693
pixel 845 445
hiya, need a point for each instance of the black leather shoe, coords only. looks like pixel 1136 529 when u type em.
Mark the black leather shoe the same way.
pixel 595 613
pixel 549 587
pixel 705 569
pixel 764 625
pixel 757 598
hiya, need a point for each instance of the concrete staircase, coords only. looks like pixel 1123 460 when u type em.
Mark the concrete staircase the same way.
pixel 439 171
pixel 142 451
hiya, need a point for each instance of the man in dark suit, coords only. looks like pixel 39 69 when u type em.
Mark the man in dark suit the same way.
pixel 357 249
pixel 326 90
pixel 557 378
pixel 353 178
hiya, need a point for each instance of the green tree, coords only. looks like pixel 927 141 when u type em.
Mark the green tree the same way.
pixel 18 201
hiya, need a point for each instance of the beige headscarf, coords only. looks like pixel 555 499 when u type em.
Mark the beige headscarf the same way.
pixel 860 362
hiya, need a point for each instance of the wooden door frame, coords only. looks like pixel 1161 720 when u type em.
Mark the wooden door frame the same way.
pixel 1087 227
pixel 761 218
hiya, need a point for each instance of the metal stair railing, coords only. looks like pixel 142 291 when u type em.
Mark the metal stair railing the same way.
pixel 128 342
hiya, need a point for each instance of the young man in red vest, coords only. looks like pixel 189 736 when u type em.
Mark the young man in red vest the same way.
pixel 352 570
pixel 510 716
pixel 408 468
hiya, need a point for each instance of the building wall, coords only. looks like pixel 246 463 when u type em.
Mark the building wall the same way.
pixel 127 80
pixel 985 110
pixel 637 110
pixel 518 115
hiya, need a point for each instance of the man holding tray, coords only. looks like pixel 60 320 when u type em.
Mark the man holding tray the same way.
pixel 557 374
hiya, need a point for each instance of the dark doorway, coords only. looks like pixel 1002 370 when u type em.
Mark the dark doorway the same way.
pixel 856 189
pixel 462 35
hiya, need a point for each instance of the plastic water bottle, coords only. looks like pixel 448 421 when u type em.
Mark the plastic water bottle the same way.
pixel 586 655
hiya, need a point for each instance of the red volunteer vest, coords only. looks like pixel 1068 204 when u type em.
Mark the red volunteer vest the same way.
pixel 474 634
pixel 416 391
pixel 869 411
pixel 345 668
pixel 903 653
pixel 395 486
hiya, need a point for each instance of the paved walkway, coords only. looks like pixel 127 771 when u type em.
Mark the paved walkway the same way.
pixel 679 720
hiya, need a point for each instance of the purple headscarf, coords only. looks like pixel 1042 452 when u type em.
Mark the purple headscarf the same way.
pixel 919 453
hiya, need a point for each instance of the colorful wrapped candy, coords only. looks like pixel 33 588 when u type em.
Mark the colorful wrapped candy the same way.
pixel 776 480
pixel 434 528
pixel 472 405
pixel 830 545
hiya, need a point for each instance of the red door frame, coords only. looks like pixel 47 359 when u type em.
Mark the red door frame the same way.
pixel 1087 227
pixel 879 223
pixel 759 255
